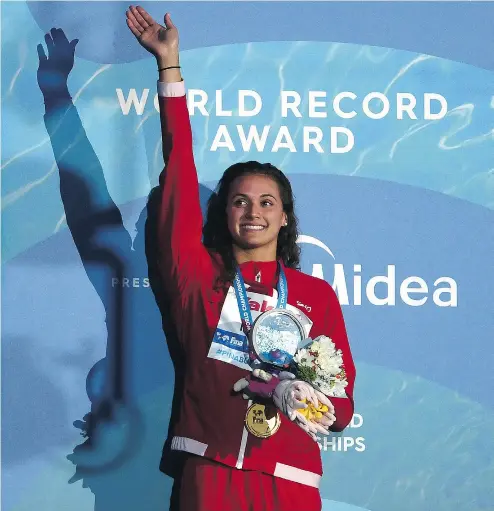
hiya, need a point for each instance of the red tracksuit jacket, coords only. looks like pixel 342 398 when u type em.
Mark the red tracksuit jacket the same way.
pixel 211 421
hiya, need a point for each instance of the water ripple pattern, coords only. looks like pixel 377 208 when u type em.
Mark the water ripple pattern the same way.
pixel 452 155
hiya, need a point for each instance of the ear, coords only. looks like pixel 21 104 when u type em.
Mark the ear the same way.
pixel 284 223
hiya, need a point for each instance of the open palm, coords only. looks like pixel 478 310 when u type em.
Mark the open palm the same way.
pixel 161 41
pixel 54 69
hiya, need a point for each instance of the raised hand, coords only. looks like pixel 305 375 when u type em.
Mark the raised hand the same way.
pixel 161 41
pixel 54 69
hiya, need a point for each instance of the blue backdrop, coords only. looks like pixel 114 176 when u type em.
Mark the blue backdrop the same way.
pixel 413 199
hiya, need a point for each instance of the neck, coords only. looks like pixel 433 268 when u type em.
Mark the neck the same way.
pixel 259 254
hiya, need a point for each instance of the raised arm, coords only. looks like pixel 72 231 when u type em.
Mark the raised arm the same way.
pixel 73 152
pixel 92 217
pixel 184 262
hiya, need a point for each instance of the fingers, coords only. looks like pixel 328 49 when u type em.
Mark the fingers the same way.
pixel 308 426
pixel 296 404
pixel 286 375
pixel 138 16
pixel 326 420
pixel 305 391
pixel 324 400
pixel 49 44
pixel 41 53
pixel 59 36
pixel 133 23
pixel 299 405
pixel 330 415
pixel 133 28
pixel 321 429
pixel 145 15
pixel 241 385
pixel 312 396
pixel 312 428
pixel 316 427
pixel 308 430
pixel 302 422
pixel 262 375
pixel 304 395
pixel 168 21
pixel 56 39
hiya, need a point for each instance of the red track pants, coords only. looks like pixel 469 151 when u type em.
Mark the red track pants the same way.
pixel 210 486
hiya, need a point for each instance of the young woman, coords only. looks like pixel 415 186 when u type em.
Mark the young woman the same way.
pixel 250 232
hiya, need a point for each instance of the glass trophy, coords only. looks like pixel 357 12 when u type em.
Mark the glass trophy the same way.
pixel 275 338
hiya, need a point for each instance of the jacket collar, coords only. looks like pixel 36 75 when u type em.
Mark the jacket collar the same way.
pixel 263 272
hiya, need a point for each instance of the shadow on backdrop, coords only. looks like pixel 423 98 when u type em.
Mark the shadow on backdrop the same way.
pixel 131 389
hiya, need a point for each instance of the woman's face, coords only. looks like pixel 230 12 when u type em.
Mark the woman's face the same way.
pixel 255 212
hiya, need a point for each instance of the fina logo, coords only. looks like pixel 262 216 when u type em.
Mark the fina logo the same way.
pixel 413 291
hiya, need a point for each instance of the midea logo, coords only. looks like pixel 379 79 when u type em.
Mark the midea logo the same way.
pixel 413 290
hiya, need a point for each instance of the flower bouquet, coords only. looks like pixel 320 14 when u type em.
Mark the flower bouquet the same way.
pixel 320 364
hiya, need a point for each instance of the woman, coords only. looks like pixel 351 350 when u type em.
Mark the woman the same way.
pixel 250 237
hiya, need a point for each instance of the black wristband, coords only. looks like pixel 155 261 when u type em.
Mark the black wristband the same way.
pixel 169 67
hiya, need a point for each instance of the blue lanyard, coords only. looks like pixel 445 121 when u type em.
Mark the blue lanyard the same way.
pixel 243 301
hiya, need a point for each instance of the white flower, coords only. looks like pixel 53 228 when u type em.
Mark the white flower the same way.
pixel 329 365
pixel 315 346
pixel 303 357
pixel 338 388
pixel 332 387
pixel 299 356
pixel 326 343
pixel 327 361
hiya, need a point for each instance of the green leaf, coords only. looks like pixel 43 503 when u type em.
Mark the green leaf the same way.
pixel 306 373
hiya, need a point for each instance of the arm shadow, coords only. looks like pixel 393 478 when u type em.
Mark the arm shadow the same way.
pixel 96 226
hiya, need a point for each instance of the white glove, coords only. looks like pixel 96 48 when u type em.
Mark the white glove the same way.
pixel 328 417
pixel 289 394
pixel 288 397
pixel 308 426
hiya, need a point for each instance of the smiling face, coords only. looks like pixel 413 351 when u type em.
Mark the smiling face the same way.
pixel 255 215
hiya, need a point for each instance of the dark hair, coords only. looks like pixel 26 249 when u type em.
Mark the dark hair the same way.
pixel 217 237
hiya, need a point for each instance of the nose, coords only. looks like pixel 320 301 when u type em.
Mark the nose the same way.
pixel 253 211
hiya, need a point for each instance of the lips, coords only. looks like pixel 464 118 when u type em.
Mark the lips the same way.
pixel 252 227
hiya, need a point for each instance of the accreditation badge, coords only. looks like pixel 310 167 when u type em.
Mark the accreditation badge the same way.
pixel 262 421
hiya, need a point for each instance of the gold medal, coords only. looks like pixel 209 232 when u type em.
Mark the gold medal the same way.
pixel 262 421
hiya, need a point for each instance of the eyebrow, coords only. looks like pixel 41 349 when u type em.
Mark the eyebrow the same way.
pixel 262 195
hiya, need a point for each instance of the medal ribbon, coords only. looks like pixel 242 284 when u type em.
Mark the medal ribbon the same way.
pixel 243 301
